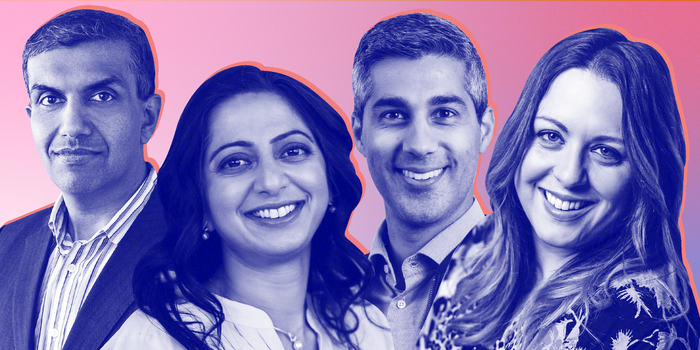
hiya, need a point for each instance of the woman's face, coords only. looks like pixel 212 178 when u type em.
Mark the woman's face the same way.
pixel 265 178
pixel 574 179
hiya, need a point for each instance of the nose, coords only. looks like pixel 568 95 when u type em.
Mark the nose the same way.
pixel 271 178
pixel 570 169
pixel 74 120
pixel 420 139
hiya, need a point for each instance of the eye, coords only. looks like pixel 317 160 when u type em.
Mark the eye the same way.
pixel 102 96
pixel 392 115
pixel 295 153
pixel 234 164
pixel 445 114
pixel 607 155
pixel 550 137
pixel 49 100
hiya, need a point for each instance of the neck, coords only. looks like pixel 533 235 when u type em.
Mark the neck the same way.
pixel 407 238
pixel 88 213
pixel 277 288
pixel 550 259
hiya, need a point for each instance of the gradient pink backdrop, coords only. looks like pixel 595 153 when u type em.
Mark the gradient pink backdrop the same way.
pixel 317 41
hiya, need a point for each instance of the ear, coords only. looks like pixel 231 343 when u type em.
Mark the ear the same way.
pixel 357 133
pixel 207 223
pixel 487 126
pixel 151 114
pixel 28 109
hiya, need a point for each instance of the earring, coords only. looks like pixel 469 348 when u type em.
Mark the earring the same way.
pixel 205 234
pixel 331 207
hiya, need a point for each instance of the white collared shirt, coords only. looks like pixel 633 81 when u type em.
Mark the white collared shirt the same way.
pixel 74 266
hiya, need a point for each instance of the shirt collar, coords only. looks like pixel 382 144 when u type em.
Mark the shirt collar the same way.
pixel 58 222
pixel 441 245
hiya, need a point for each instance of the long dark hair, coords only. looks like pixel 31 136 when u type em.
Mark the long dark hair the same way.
pixel 181 265
pixel 648 237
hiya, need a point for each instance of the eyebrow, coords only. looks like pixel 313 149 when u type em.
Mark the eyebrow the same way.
pixel 94 86
pixel 395 102
pixel 42 87
pixel 605 138
pixel 290 133
pixel 230 144
pixel 447 99
pixel 105 82
pixel 250 144
pixel 555 122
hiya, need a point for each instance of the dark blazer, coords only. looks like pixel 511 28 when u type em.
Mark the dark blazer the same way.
pixel 25 246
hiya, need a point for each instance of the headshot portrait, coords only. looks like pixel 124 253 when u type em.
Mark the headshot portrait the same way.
pixel 421 118
pixel 584 247
pixel 90 77
pixel 258 188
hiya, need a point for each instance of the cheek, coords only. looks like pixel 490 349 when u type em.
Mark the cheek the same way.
pixel 613 184
pixel 41 131
pixel 223 197
pixel 316 180
pixel 533 167
pixel 380 142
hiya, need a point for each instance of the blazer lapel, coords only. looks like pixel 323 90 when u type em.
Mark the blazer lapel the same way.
pixel 112 296
pixel 30 275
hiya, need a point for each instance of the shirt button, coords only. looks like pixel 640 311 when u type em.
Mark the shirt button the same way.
pixel 401 304
pixel 53 333
pixel 72 268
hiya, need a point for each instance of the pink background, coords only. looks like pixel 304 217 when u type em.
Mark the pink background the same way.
pixel 317 41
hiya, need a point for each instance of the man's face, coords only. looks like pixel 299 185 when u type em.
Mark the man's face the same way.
pixel 87 121
pixel 422 138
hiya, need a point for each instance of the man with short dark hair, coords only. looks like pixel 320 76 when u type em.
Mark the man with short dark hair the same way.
pixel 421 119
pixel 67 270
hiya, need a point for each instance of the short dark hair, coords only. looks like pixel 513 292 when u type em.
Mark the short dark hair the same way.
pixel 413 36
pixel 87 25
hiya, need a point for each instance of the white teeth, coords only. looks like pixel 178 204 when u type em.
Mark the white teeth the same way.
pixel 422 176
pixel 275 213
pixel 561 204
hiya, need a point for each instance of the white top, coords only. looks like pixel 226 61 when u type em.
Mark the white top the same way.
pixel 249 328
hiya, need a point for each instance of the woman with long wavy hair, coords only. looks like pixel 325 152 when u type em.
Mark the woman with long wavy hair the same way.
pixel 583 249
pixel 258 188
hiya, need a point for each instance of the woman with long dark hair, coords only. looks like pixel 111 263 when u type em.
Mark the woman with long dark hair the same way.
pixel 258 188
pixel 583 249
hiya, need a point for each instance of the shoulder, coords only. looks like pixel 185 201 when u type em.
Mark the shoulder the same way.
pixel 35 219
pixel 31 230
pixel 141 331
pixel 373 330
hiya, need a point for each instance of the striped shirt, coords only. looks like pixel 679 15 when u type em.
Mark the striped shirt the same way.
pixel 74 267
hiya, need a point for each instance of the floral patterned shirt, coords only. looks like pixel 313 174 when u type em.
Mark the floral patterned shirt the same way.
pixel 633 320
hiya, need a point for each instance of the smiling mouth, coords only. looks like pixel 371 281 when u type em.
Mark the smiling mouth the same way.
pixel 422 176
pixel 276 213
pixel 563 205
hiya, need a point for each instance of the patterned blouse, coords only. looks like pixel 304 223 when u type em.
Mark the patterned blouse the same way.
pixel 633 320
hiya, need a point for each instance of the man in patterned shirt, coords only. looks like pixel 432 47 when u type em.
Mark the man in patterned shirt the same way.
pixel 421 119
pixel 67 269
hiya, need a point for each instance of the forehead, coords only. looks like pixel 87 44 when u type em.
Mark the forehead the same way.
pixel 578 93
pixel 83 64
pixel 417 79
pixel 255 117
